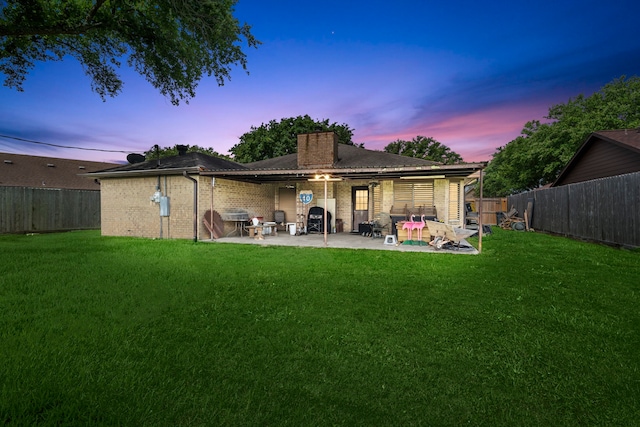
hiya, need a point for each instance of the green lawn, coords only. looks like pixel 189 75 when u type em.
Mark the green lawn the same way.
pixel 537 330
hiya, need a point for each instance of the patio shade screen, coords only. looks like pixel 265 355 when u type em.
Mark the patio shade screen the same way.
pixel 413 194
pixel 454 203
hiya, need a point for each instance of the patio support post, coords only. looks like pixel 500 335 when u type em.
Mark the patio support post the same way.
pixel 325 211
pixel 195 206
pixel 480 230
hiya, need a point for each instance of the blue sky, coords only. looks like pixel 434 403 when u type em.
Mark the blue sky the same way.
pixel 466 73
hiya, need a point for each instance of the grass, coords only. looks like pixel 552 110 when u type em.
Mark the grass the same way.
pixel 537 330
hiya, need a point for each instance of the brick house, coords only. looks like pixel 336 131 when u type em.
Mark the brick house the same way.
pixel 169 198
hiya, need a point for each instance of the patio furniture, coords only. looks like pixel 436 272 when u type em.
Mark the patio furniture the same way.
pixel 390 239
pixel 238 216
pixel 381 224
pixel 255 231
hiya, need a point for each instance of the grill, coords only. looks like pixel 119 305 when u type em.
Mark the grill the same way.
pixel 315 222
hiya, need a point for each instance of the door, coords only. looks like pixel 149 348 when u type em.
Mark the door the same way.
pixel 360 203
pixel 287 203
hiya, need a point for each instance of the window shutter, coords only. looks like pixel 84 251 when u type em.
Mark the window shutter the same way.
pixel 454 206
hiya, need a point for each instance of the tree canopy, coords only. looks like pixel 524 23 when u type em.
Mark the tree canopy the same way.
pixel 278 138
pixel 172 43
pixel 539 154
pixel 424 148
pixel 162 152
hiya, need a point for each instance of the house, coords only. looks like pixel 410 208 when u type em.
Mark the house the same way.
pixel 18 170
pixel 603 154
pixel 168 198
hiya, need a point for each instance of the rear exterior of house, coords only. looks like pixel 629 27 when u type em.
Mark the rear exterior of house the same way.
pixel 363 183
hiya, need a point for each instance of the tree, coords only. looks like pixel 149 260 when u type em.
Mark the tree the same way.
pixel 424 148
pixel 172 43
pixel 539 154
pixel 162 152
pixel 276 139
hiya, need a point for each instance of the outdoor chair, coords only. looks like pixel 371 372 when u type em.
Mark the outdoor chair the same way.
pixel 381 225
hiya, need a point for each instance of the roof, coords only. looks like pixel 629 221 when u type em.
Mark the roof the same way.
pixel 349 157
pixel 353 162
pixel 19 170
pixel 188 161
pixel 604 153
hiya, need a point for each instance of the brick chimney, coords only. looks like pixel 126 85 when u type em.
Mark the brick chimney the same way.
pixel 317 150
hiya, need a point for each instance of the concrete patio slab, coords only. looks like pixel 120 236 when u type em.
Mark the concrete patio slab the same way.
pixel 342 240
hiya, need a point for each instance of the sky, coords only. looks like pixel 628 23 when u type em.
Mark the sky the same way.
pixel 469 74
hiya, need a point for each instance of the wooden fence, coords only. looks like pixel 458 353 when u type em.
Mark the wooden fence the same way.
pixel 26 210
pixel 490 207
pixel 603 210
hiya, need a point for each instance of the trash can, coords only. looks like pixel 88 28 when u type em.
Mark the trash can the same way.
pixel 339 226
pixel 292 229
pixel 499 217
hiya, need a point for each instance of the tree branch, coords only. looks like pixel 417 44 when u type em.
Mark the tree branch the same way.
pixel 93 11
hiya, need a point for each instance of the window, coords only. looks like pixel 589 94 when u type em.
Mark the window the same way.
pixel 362 200
pixel 413 194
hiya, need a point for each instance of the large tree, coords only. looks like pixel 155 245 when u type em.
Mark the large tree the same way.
pixel 278 138
pixel 537 156
pixel 172 43
pixel 424 148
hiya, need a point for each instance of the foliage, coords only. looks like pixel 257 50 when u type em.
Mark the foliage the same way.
pixel 155 151
pixel 539 154
pixel 172 43
pixel 276 139
pixel 424 148
pixel 168 332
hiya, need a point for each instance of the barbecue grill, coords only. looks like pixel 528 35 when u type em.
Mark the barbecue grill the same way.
pixel 315 222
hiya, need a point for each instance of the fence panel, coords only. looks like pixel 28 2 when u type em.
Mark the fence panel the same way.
pixel 604 210
pixel 25 209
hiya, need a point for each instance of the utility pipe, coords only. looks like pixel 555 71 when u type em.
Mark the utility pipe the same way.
pixel 195 205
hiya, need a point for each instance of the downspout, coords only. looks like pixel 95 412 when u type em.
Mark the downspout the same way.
pixel 195 205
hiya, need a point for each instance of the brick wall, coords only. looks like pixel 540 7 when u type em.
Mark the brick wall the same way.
pixel 126 208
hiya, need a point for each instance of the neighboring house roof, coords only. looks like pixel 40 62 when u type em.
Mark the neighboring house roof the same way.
pixel 18 170
pixel 603 154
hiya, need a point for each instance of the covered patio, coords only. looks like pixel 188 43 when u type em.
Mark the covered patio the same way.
pixel 342 240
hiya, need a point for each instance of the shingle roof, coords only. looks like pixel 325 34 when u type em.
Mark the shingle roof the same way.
pixel 349 156
pixel 604 153
pixel 185 161
pixel 625 137
pixel 18 170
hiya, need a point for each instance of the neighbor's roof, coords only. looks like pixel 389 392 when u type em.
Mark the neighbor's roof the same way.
pixel 604 153
pixel 18 170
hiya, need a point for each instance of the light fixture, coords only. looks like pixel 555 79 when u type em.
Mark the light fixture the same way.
pixel 423 177
pixel 323 177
